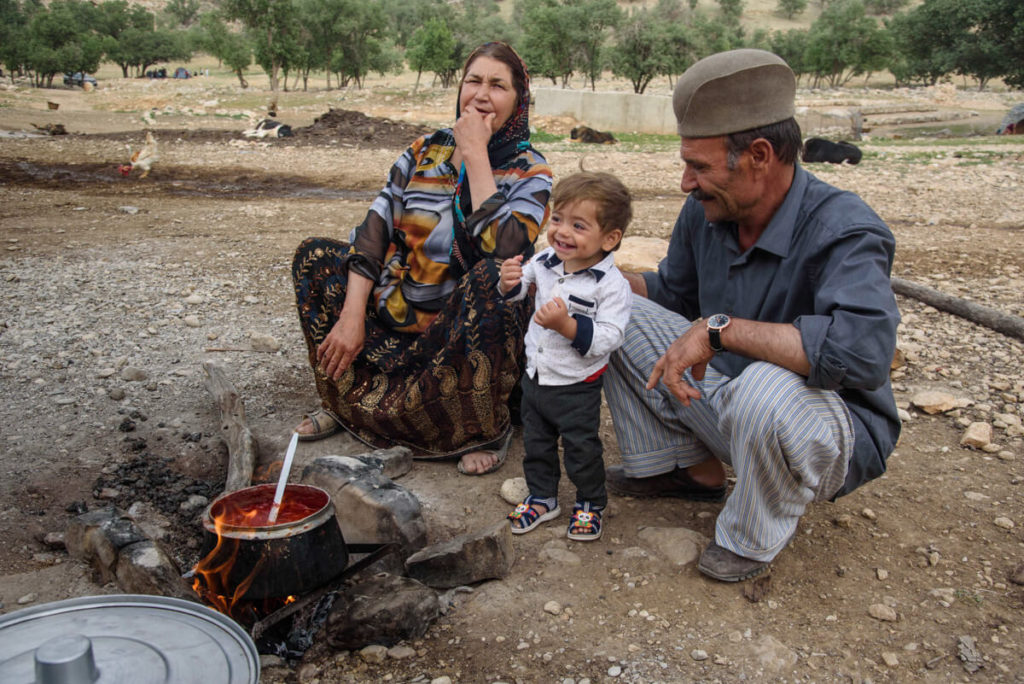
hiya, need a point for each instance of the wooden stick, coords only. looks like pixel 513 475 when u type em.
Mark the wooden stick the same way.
pixel 1007 324
pixel 243 449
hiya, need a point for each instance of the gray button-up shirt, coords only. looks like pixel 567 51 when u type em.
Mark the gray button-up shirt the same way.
pixel 822 264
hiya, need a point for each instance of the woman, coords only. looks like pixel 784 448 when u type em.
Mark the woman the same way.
pixel 409 340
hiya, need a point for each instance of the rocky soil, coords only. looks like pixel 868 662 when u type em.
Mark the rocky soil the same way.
pixel 115 290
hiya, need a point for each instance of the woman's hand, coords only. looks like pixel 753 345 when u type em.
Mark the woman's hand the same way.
pixel 511 273
pixel 345 340
pixel 473 131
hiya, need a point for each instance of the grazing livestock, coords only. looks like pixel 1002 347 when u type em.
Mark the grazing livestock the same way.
pixel 269 128
pixel 589 135
pixel 821 150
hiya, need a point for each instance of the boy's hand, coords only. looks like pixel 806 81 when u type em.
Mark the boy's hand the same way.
pixel 555 316
pixel 511 273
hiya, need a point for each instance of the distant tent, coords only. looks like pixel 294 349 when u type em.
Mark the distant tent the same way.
pixel 181 72
pixel 1013 122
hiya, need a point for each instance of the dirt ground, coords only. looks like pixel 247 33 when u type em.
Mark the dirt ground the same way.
pixel 114 290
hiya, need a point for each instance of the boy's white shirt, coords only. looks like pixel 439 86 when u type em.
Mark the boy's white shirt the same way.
pixel 600 293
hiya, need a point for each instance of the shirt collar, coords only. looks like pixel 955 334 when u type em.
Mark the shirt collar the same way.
pixel 598 270
pixel 777 237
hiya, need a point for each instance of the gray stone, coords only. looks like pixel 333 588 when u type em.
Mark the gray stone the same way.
pixel 97 538
pixel 774 655
pixel 393 463
pixel 385 609
pixel 977 435
pixel 466 559
pixel 144 568
pixel 370 507
pixel 132 374
pixel 514 490
pixel 678 545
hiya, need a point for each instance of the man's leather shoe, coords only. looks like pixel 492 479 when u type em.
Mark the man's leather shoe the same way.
pixel 677 483
pixel 723 564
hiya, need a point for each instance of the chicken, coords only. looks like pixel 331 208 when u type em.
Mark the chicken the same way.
pixel 144 158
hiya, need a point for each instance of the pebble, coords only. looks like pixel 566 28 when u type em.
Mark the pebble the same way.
pixel 553 607
pixel 401 652
pixel 882 612
pixel 194 299
pixel 128 209
pixel 882 574
pixel 890 659
pixel 699 654
pixel 869 514
pixel 443 679
pixel 191 321
pixel 614 671
pixel 977 435
pixel 264 343
pixel 374 653
pixel 514 490
pixel 1003 522
pixel 132 374
pixel 28 598
pixel 116 393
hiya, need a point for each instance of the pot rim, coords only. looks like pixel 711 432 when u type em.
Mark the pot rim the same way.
pixel 280 530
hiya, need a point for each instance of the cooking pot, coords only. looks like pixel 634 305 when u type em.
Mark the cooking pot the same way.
pixel 246 557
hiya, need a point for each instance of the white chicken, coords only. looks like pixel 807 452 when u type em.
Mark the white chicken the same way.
pixel 144 158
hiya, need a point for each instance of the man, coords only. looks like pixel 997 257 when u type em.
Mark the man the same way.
pixel 784 371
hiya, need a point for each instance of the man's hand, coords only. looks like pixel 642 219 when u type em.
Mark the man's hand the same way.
pixel 690 352
pixel 345 340
pixel 510 274
pixel 554 315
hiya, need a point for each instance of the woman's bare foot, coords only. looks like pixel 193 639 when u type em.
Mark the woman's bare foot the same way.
pixel 478 462
pixel 317 425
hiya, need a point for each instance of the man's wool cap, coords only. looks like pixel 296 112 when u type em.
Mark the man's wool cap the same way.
pixel 733 91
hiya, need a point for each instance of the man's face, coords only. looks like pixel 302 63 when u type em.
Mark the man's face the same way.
pixel 725 194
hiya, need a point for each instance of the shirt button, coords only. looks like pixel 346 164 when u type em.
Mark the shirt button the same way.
pixel 540 350
pixel 561 280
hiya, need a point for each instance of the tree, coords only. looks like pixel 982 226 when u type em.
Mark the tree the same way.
pixel 845 42
pixel 731 11
pixel 884 6
pixel 431 48
pixel 231 48
pixel 791 8
pixel 592 20
pixel 269 22
pixel 58 39
pixel 792 47
pixel 1003 24
pixel 183 12
pixel 640 50
pixel 547 42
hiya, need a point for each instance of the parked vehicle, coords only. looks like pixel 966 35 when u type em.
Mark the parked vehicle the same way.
pixel 78 79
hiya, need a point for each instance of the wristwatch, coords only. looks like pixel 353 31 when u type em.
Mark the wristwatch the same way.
pixel 716 324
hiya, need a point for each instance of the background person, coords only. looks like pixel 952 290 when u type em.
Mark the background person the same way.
pixel 784 372
pixel 409 340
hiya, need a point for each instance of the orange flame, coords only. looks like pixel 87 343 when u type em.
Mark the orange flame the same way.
pixel 213 571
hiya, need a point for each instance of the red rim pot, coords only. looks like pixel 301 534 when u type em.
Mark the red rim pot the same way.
pixel 255 560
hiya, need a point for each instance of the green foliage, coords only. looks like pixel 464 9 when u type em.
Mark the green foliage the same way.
pixel 983 39
pixel 547 39
pixel 884 6
pixel 183 12
pixel 640 50
pixel 231 48
pixel 731 11
pixel 792 47
pixel 791 8
pixel 432 48
pixel 845 42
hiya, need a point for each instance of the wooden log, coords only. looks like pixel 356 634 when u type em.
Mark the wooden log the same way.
pixel 243 449
pixel 1007 324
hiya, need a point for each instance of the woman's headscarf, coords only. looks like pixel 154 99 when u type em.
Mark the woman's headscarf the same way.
pixel 514 134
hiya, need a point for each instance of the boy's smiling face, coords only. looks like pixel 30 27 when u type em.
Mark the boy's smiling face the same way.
pixel 576 236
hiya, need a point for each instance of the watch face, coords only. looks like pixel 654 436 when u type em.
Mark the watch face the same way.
pixel 718 321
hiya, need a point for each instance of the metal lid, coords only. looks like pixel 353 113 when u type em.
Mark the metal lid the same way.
pixel 124 639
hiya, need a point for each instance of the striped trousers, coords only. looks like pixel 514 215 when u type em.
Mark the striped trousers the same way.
pixel 788 444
